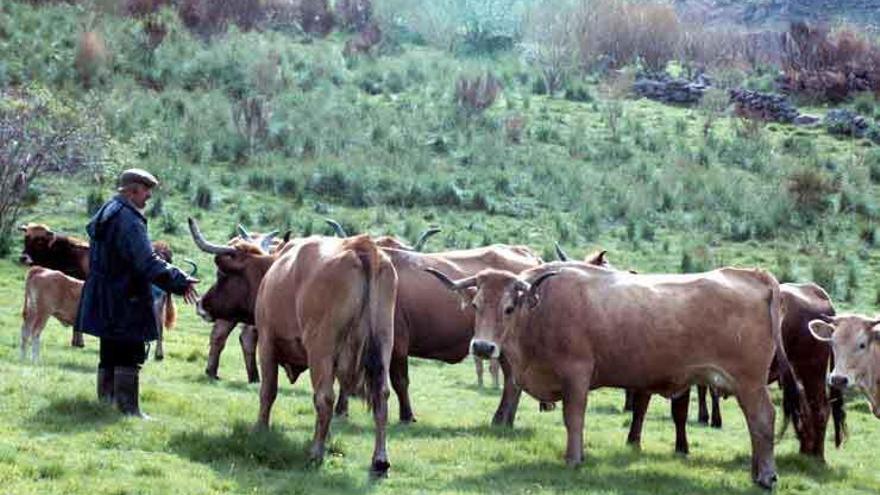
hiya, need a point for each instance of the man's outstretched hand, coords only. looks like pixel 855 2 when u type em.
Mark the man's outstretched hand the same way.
pixel 191 295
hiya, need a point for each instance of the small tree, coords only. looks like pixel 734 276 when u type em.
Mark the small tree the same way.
pixel 549 43
pixel 37 135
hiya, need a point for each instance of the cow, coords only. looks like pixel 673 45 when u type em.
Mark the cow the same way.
pixel 855 342
pixel 221 329
pixel 567 328
pixel 810 359
pixel 70 255
pixel 50 292
pixel 322 304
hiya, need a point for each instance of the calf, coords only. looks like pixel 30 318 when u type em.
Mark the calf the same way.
pixel 591 327
pixel 46 293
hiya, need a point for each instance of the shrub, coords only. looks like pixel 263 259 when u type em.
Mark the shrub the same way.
pixel 475 95
pixel 157 207
pixel 94 201
pixel 204 197
pixel 810 190
pixel 578 92
pixel 169 224
pixel 91 57
pixel 824 274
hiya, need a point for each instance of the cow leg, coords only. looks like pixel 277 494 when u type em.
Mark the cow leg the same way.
pixel 36 330
pixel 574 405
pixel 380 464
pixel 628 400
pixel 399 373
pixel 679 407
pixel 322 384
pixel 219 333
pixel 716 408
pixel 478 365
pixel 703 414
pixel 341 409
pixel 25 337
pixel 35 348
pixel 269 386
pixel 76 340
pixel 248 341
pixel 493 370
pixel 506 412
pixel 159 353
pixel 640 401
pixel 760 415
pixel 811 431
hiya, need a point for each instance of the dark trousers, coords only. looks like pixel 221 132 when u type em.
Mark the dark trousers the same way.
pixel 121 353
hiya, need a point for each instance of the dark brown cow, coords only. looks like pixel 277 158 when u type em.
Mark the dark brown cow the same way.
pixel 855 342
pixel 221 329
pixel 69 255
pixel 322 304
pixel 567 328
pixel 810 359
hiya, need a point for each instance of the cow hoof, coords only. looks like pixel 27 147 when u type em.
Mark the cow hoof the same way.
pixel 408 421
pixel 379 469
pixel 767 480
pixel 340 415
pixel 78 344
pixel 703 420
pixel 160 357
pixel 574 462
pixel 253 380
pixel 212 375
pixel 716 424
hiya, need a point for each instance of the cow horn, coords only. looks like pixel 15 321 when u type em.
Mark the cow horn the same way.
pixel 453 284
pixel 193 265
pixel 336 227
pixel 540 280
pixel 22 228
pixel 204 245
pixel 266 243
pixel 826 318
pixel 243 233
pixel 424 237
pixel 286 237
pixel 560 253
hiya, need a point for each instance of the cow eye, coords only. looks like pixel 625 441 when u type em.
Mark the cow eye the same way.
pixel 862 346
pixel 474 305
pixel 508 310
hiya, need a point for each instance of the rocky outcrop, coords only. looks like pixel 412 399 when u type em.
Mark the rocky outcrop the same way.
pixel 768 107
pixel 844 122
pixel 667 89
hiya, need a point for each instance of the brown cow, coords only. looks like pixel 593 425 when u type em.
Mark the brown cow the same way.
pixel 810 360
pixel 326 305
pixel 591 327
pixel 434 325
pixel 855 342
pixel 43 247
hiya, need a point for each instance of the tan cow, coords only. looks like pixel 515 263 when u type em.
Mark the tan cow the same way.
pixel 322 304
pixel 855 342
pixel 567 328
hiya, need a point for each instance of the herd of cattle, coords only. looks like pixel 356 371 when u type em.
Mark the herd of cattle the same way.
pixel 353 309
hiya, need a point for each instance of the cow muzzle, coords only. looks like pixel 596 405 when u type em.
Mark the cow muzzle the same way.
pixel 484 349
pixel 201 311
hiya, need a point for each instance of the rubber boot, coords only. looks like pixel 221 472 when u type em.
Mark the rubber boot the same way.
pixel 105 385
pixel 126 391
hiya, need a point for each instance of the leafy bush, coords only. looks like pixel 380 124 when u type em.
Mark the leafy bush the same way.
pixel 204 197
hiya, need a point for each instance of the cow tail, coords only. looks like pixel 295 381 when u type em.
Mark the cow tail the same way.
pixel 794 404
pixel 838 413
pixel 170 311
pixel 373 371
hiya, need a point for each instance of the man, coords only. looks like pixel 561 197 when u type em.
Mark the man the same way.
pixel 117 301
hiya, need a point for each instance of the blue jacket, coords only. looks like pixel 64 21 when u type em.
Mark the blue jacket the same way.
pixel 117 301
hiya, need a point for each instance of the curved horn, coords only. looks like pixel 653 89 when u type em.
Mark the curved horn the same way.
pixel 452 284
pixel 560 253
pixel 286 237
pixel 204 245
pixel 425 236
pixel 193 265
pixel 266 243
pixel 826 318
pixel 540 280
pixel 336 227
pixel 243 233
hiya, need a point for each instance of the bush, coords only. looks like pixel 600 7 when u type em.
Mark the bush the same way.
pixel 824 274
pixel 94 201
pixel 204 197
pixel 578 92
pixel 475 95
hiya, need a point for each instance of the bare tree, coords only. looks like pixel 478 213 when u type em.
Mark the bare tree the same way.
pixel 36 137
pixel 549 43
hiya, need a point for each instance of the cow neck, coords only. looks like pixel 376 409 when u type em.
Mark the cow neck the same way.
pixel 511 344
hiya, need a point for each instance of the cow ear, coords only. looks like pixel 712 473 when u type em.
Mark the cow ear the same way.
pixel 22 228
pixel 821 331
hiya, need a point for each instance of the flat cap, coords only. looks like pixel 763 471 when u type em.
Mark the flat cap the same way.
pixel 136 176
